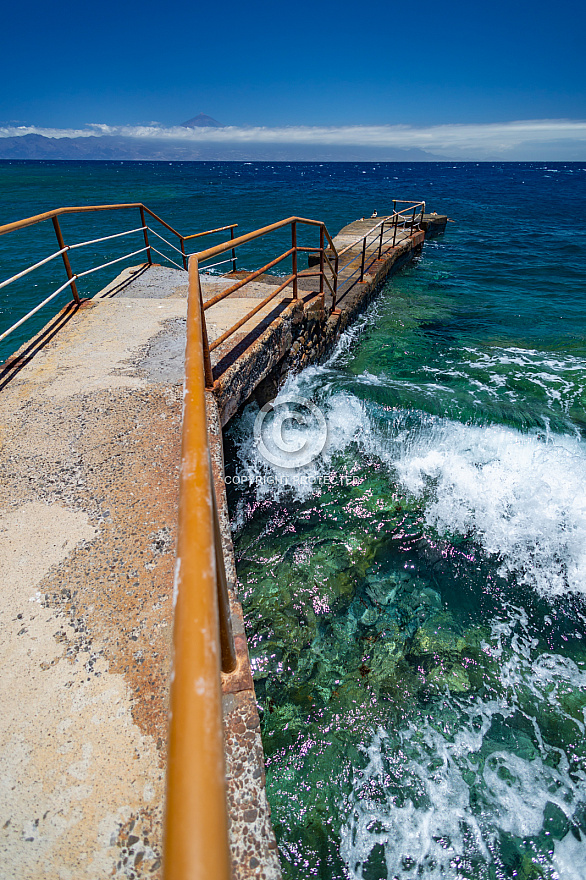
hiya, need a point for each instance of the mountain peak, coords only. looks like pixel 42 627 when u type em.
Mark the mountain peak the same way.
pixel 202 121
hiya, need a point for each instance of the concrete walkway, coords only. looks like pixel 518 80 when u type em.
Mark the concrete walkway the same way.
pixel 90 424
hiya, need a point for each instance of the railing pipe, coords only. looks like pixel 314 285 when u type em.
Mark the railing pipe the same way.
pixel 210 231
pixel 253 275
pixel 258 233
pixel 233 250
pixel 183 254
pixel 227 648
pixel 34 311
pixel 380 244
pixel 251 313
pixel 294 257
pixel 321 259
pixel 196 819
pixel 66 262
pixel 32 268
pixel 146 236
pixel 208 371
pixel 363 259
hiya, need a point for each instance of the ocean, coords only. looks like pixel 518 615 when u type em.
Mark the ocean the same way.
pixel 415 595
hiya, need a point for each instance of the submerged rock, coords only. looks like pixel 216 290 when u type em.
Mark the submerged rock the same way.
pixel 370 617
pixel 449 675
pixel 382 592
pixel 387 654
pixel 435 637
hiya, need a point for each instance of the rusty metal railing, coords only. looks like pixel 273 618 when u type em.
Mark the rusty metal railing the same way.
pixel 196 820
pixel 408 219
pixel 65 249
pixel 196 845
pixel 325 263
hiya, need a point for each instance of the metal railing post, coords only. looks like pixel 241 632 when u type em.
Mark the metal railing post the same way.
pixel 422 214
pixel 396 226
pixel 233 249
pixel 229 661
pixel 66 262
pixel 363 258
pixel 336 266
pixel 183 253
pixel 321 259
pixel 380 245
pixel 207 362
pixel 294 257
pixel 146 238
pixel 413 221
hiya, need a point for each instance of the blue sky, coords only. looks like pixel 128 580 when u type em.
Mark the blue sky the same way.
pixel 419 65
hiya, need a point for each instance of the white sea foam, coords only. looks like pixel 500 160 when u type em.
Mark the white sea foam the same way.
pixel 414 796
pixel 509 372
pixel 521 496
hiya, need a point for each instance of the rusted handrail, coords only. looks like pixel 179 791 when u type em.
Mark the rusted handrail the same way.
pixel 83 209
pixel 393 220
pixel 196 823
pixel 379 224
pixel 258 233
pixel 64 249
pixel 233 243
pixel 196 817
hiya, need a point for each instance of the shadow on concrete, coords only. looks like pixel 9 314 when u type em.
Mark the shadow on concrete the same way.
pixel 14 364
pixel 113 291
pixel 235 346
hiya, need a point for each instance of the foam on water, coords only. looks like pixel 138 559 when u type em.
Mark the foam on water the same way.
pixel 521 495
pixel 560 380
pixel 443 795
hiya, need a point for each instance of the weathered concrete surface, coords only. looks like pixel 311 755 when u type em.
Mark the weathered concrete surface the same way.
pixel 90 423
pixel 89 436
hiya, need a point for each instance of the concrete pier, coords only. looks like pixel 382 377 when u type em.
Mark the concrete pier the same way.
pixel 90 421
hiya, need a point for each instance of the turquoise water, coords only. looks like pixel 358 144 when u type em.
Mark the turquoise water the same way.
pixel 414 595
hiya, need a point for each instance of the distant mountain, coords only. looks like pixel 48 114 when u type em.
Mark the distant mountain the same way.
pixel 202 121
pixel 116 148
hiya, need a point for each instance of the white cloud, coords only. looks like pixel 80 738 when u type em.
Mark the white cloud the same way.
pixel 466 140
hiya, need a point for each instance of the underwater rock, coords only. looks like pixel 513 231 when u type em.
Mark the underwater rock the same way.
pixel 435 637
pixel 530 869
pixel 387 654
pixel 417 603
pixel 345 630
pixel 555 821
pixel 370 617
pixel 382 592
pixel 449 675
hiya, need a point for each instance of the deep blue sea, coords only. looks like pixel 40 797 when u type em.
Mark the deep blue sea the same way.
pixel 415 596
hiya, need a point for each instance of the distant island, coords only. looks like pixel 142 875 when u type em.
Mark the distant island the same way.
pixel 104 147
